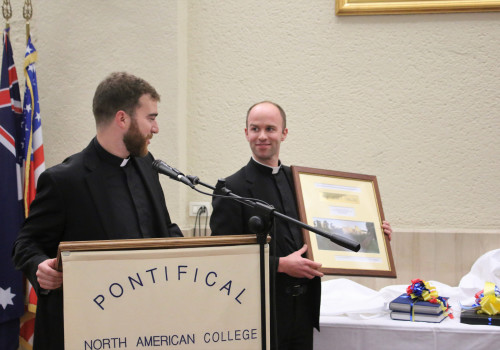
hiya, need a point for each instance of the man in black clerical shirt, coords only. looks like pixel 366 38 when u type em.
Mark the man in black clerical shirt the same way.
pixel 297 279
pixel 107 191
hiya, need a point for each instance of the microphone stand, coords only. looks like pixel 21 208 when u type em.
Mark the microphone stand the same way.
pixel 260 224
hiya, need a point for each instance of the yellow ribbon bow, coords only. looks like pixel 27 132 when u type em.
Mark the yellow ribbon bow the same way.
pixel 490 303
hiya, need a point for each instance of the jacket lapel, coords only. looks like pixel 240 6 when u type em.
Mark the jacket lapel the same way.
pixel 297 234
pixel 155 192
pixel 257 190
pixel 98 190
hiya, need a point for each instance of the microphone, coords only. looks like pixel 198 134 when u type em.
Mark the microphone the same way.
pixel 165 169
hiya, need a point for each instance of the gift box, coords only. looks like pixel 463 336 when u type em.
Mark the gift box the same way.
pixel 415 317
pixel 472 317
pixel 405 303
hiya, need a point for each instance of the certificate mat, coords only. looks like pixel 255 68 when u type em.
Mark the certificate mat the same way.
pixel 187 298
pixel 339 203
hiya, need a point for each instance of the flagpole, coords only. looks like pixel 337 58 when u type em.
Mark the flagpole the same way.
pixel 7 12
pixel 27 14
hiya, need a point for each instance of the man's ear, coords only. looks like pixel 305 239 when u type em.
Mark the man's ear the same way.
pixel 122 120
pixel 283 134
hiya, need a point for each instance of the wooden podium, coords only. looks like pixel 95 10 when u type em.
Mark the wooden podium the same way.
pixel 187 293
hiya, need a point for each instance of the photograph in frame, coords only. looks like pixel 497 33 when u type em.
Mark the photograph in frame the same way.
pixel 348 205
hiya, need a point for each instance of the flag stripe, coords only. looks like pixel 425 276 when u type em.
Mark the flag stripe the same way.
pixel 7 140
pixel 5 97
pixel 12 74
pixel 37 139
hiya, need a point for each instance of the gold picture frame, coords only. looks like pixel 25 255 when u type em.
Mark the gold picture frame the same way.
pixel 398 7
pixel 348 205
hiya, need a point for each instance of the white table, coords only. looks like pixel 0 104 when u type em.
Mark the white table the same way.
pixel 342 332
pixel 356 317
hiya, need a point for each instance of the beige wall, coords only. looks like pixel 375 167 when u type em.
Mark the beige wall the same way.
pixel 412 99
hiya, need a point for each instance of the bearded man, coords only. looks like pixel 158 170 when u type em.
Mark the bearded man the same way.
pixel 107 191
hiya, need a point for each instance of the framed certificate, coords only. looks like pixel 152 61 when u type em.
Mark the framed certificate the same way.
pixel 348 205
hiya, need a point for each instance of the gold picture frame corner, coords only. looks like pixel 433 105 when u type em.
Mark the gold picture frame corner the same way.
pixel 387 7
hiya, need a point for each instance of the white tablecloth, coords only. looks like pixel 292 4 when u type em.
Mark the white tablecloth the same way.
pixel 344 333
pixel 357 317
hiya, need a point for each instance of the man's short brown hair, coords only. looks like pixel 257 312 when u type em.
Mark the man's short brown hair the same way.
pixel 119 91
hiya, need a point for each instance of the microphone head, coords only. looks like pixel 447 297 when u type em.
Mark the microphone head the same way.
pixel 156 164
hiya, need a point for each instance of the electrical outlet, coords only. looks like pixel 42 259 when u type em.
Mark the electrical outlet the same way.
pixel 195 206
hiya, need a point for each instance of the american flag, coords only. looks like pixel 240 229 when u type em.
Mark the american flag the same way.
pixel 11 198
pixel 33 152
pixel 34 165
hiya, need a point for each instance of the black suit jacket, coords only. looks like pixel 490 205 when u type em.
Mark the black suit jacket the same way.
pixel 72 204
pixel 231 218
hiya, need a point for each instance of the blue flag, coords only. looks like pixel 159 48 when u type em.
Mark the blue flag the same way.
pixel 11 198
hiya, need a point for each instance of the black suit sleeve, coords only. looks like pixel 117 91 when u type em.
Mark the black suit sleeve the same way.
pixel 230 217
pixel 174 231
pixel 39 238
pixel 227 218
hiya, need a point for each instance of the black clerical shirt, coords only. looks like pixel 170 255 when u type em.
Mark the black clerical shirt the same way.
pixel 132 211
pixel 282 198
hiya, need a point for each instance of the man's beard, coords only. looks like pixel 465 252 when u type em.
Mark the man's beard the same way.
pixel 136 143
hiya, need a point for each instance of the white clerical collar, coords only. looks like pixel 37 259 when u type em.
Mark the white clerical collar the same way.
pixel 275 169
pixel 124 162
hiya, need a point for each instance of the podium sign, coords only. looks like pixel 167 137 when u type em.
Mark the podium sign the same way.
pixel 188 298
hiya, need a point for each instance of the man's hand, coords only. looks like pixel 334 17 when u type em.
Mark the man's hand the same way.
pixel 296 266
pixel 386 226
pixel 47 275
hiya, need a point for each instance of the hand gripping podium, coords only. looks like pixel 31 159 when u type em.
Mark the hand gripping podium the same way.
pixel 187 293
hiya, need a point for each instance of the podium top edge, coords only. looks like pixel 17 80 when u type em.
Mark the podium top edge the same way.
pixel 155 243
